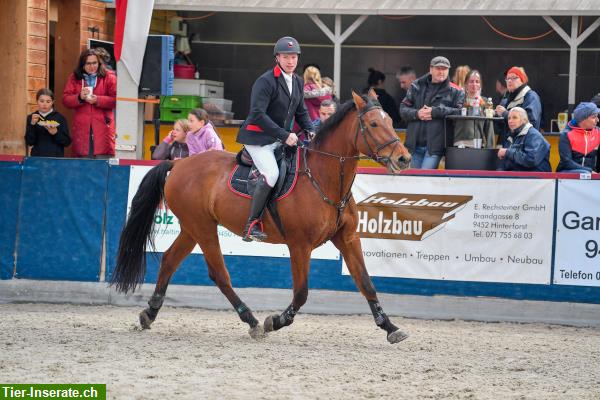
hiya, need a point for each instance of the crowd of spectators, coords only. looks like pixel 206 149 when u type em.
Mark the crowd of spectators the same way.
pixel 427 102
pixel 515 132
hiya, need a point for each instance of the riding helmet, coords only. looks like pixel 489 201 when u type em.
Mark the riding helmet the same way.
pixel 286 45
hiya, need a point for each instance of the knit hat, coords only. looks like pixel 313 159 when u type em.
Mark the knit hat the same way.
pixel 585 110
pixel 518 72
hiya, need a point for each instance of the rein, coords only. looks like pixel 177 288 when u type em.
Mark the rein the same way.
pixel 374 155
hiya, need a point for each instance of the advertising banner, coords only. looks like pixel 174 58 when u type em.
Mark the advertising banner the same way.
pixel 464 229
pixel 577 259
pixel 166 227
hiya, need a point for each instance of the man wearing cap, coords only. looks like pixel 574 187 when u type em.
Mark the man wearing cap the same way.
pixel 277 100
pixel 428 101
pixel 579 141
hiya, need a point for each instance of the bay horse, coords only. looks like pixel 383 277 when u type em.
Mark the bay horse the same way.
pixel 196 191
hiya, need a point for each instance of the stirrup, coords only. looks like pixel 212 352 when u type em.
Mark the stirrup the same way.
pixel 254 231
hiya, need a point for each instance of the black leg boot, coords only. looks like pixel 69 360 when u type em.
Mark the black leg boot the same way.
pixel 253 228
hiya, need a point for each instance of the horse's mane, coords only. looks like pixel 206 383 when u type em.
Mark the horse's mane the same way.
pixel 326 128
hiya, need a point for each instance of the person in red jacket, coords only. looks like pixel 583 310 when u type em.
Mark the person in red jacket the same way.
pixel 91 92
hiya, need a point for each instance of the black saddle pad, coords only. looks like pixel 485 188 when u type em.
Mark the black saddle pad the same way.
pixel 242 176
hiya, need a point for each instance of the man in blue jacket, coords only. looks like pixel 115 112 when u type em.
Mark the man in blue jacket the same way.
pixel 277 100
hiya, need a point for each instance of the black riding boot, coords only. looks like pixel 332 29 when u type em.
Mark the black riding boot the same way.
pixel 253 230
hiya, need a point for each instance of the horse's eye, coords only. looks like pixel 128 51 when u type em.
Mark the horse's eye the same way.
pixel 373 124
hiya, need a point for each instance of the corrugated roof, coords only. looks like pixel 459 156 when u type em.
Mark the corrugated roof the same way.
pixel 391 7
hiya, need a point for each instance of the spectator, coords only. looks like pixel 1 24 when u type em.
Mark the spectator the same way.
pixel 314 92
pixel 579 141
pixel 327 81
pixel 47 130
pixel 405 77
pixel 201 136
pixel 305 66
pixel 466 131
pixel 173 146
pixel 91 92
pixel 519 94
pixel 460 76
pixel 328 107
pixel 376 81
pixel 525 148
pixel 501 90
pixel 429 100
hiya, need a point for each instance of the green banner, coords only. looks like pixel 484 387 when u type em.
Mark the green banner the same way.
pixel 53 391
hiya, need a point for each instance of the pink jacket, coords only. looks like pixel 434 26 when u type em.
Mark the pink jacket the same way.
pixel 99 117
pixel 313 96
pixel 203 140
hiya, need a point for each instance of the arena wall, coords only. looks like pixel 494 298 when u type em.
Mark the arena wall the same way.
pixel 62 220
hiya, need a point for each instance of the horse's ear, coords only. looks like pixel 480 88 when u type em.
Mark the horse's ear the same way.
pixel 358 101
pixel 372 94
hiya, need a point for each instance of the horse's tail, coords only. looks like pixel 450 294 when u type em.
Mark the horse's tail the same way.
pixel 131 259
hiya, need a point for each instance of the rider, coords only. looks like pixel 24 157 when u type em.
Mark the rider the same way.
pixel 276 99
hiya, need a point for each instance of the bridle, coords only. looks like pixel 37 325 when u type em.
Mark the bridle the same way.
pixel 365 131
pixel 374 155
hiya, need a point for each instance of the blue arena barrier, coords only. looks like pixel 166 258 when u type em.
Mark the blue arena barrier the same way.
pixel 10 176
pixel 61 219
pixel 116 212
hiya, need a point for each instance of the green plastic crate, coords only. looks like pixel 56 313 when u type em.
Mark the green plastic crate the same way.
pixel 180 101
pixel 173 114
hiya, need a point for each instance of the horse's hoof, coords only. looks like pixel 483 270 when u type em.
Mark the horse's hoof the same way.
pixel 257 332
pixel 145 320
pixel 397 336
pixel 269 323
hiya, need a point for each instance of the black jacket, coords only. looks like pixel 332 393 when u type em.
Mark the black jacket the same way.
pixel 448 100
pixel 272 111
pixel 44 144
pixel 389 106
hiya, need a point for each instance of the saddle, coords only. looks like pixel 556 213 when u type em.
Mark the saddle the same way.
pixel 243 177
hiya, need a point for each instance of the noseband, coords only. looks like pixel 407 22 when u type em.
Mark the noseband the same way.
pixel 374 155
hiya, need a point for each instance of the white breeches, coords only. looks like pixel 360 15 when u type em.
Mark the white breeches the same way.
pixel 264 159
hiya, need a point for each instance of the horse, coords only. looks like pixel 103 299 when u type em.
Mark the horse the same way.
pixel 197 192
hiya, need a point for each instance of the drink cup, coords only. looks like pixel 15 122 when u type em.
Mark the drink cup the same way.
pixel 477 143
pixel 489 113
pixel 90 91
pixel 562 121
pixel 463 112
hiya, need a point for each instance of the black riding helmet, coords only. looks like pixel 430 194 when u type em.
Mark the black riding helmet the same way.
pixel 286 45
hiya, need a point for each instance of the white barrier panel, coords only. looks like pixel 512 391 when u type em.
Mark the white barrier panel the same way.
pixel 464 229
pixel 577 260
pixel 167 228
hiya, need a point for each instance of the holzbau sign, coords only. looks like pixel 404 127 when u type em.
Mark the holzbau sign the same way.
pixel 405 216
